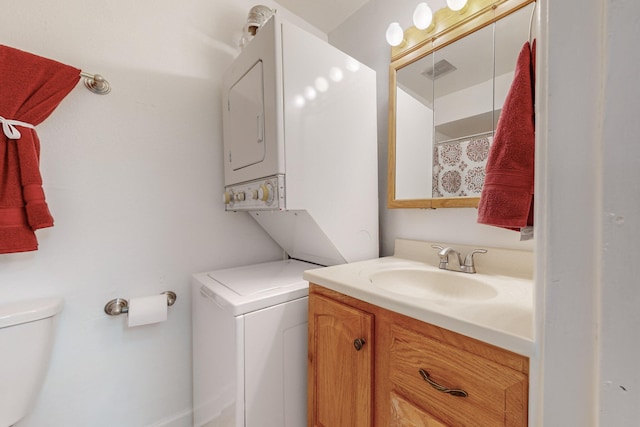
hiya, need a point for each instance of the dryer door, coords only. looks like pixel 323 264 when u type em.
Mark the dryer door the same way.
pixel 246 119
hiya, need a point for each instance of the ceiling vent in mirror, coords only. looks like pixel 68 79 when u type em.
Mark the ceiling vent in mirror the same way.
pixel 439 69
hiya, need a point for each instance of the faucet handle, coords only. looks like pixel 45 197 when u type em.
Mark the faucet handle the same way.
pixel 444 256
pixel 469 266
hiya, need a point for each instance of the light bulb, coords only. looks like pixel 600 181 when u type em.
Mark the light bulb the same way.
pixel 395 35
pixel 456 5
pixel 422 16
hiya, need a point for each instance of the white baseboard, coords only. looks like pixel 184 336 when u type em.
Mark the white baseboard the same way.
pixel 183 419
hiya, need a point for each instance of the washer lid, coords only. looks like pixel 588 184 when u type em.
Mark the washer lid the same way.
pixel 249 288
pixel 28 311
pixel 255 279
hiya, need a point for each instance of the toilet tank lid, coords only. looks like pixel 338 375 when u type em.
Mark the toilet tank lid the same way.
pixel 25 311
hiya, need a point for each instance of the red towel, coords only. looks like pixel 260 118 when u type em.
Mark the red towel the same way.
pixel 31 87
pixel 507 194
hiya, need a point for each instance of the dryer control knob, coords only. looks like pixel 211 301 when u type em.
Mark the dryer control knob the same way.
pixel 240 196
pixel 227 197
pixel 254 194
pixel 265 192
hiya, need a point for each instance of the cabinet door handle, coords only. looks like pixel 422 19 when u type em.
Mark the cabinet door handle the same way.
pixel 452 391
pixel 358 343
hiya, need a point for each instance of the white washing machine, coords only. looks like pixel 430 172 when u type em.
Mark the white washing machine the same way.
pixel 250 346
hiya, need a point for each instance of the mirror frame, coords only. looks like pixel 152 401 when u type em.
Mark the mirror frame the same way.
pixel 447 27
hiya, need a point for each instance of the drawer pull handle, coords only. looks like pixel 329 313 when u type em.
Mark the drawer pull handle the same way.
pixel 358 343
pixel 452 391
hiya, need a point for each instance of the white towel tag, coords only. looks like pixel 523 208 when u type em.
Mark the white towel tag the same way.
pixel 526 233
pixel 9 127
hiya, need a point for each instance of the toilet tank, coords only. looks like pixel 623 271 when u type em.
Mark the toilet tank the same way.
pixel 26 339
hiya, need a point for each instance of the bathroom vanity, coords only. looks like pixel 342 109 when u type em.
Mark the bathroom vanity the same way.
pixel 379 356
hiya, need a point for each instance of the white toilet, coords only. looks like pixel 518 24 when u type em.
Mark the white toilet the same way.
pixel 26 339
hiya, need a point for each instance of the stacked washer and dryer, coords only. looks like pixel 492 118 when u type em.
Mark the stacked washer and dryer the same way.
pixel 300 141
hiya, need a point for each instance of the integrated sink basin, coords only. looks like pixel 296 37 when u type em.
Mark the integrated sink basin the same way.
pixel 433 284
pixel 493 305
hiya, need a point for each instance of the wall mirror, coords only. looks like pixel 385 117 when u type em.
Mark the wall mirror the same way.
pixel 447 85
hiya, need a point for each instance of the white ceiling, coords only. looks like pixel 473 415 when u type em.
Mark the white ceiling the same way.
pixel 325 15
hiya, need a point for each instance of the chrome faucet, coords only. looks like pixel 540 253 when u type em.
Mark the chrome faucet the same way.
pixel 465 267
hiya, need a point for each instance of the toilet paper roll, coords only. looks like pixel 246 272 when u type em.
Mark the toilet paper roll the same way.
pixel 146 310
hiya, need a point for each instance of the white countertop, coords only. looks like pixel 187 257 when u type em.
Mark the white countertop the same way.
pixel 504 318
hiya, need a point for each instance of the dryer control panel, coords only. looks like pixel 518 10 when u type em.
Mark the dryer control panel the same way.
pixel 262 194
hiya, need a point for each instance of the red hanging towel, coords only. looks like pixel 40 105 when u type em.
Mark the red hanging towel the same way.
pixel 31 87
pixel 507 194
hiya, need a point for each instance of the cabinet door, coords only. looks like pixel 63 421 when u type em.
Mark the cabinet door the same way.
pixel 340 364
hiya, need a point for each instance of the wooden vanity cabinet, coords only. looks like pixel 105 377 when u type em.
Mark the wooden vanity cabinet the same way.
pixel 472 383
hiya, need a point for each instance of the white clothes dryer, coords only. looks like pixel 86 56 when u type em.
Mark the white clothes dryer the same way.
pixel 250 345
pixel 306 169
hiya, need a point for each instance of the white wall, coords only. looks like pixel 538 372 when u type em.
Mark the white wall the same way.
pixel 414 150
pixel 568 120
pixel 619 382
pixel 591 347
pixel 474 100
pixel 134 182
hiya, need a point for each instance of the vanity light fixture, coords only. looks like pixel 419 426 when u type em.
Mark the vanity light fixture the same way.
pixel 422 20
pixel 456 5
pixel 395 34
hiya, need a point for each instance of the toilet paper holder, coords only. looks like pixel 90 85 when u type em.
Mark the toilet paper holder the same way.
pixel 120 305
